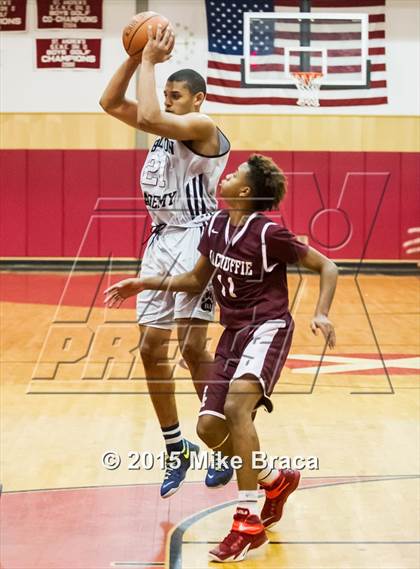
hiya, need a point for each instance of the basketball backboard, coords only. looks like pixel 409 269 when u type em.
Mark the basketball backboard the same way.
pixel 276 44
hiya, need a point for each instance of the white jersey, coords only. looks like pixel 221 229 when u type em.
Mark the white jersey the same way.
pixel 179 185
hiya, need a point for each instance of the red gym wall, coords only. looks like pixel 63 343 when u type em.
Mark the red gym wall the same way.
pixel 67 203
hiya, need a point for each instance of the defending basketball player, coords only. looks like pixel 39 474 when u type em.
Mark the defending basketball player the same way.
pixel 245 255
pixel 178 181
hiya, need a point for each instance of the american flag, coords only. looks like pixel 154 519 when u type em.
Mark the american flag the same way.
pixel 226 51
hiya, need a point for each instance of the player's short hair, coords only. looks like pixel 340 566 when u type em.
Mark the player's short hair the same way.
pixel 195 82
pixel 267 181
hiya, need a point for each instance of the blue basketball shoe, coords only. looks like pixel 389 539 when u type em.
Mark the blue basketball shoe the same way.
pixel 176 466
pixel 218 475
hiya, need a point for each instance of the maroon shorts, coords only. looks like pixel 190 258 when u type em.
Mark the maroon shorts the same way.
pixel 258 350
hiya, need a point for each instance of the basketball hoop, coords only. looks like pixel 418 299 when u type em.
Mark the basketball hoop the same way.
pixel 308 84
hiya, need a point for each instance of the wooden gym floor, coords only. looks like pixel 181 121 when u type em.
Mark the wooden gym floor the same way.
pixel 358 413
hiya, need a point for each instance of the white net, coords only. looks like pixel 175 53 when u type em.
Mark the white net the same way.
pixel 308 85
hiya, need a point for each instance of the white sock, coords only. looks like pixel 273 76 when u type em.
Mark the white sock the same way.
pixel 268 475
pixel 248 500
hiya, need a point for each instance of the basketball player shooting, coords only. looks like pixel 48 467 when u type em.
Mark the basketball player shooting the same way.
pixel 245 255
pixel 178 180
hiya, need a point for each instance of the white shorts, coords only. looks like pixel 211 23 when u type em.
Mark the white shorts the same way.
pixel 172 252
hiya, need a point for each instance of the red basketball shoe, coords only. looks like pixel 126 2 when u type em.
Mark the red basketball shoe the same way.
pixel 276 495
pixel 247 533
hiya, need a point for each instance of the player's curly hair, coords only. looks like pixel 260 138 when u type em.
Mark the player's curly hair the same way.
pixel 267 181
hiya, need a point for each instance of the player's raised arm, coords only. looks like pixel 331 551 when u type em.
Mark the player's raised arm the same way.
pixel 114 101
pixel 194 282
pixel 315 261
pixel 177 121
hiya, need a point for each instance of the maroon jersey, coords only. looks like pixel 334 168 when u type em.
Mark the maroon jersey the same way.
pixel 250 281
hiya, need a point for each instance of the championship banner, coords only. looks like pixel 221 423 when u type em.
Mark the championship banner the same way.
pixel 75 14
pixel 70 53
pixel 12 15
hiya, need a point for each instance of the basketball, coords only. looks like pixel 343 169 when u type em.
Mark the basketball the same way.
pixel 135 33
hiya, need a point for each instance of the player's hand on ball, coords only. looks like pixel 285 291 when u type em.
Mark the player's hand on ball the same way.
pixel 117 293
pixel 326 327
pixel 158 48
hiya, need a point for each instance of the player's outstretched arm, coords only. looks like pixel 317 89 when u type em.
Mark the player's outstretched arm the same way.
pixel 194 282
pixel 114 101
pixel 328 272
pixel 150 117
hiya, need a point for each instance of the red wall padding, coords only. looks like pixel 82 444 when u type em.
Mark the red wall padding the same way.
pixel 69 203
pixel 13 203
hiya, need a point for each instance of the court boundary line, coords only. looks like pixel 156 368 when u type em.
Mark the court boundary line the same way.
pixel 361 478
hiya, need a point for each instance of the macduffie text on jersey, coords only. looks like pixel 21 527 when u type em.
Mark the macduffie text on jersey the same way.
pixel 178 184
pixel 228 264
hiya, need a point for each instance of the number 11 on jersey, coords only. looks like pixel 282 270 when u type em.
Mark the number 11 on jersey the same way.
pixel 231 285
